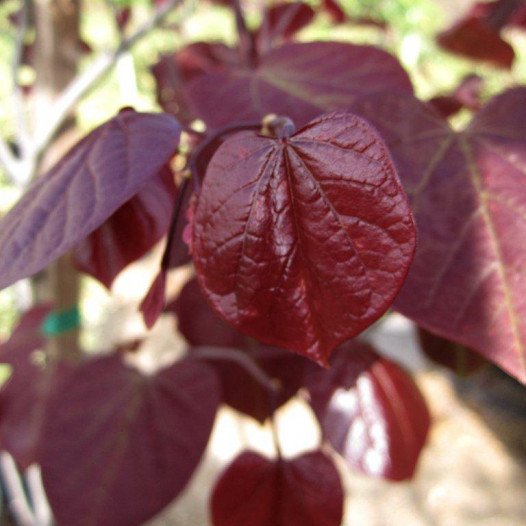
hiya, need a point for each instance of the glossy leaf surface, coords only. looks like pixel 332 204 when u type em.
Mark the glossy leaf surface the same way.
pixel 117 446
pixel 130 232
pixel 303 242
pixel 23 396
pixel 98 175
pixel 467 283
pixel 303 491
pixel 300 80
pixel 371 412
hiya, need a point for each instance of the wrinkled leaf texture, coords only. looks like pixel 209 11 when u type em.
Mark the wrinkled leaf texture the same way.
pixel 303 242
pixel 468 194
pixel 130 232
pixel 300 80
pixel 371 411
pixel 95 178
pixel 118 446
pixel 302 491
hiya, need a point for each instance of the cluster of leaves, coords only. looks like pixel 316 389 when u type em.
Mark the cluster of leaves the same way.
pixel 300 207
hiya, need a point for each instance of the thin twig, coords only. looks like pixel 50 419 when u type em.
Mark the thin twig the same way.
pixel 239 357
pixel 87 80
pixel 22 130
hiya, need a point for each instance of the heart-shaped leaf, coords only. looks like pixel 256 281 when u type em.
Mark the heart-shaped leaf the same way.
pixel 371 412
pixel 302 242
pixel 468 192
pixel 98 175
pixel 118 446
pixel 303 491
pixel 130 232
pixel 300 80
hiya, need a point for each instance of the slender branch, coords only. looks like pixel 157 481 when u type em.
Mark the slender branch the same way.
pixel 87 80
pixel 21 127
pixel 239 357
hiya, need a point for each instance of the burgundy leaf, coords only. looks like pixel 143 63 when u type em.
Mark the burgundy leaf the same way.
pixel 281 22
pixel 303 491
pixel 130 232
pixel 335 11
pixel 302 242
pixel 173 70
pixel 371 411
pixel 300 80
pixel 454 356
pixel 473 38
pixel 199 324
pixel 467 283
pixel 202 327
pixel 117 446
pixel 466 95
pixel 154 302
pixel 98 175
pixel 23 397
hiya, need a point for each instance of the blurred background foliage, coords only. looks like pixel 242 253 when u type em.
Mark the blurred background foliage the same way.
pixel 411 28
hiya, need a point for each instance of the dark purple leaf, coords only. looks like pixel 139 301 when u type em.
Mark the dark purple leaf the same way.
pixel 302 242
pixel 257 491
pixel 371 412
pixel 23 397
pixel 473 38
pixel 281 22
pixel 118 446
pixel 130 232
pixel 467 282
pixel 154 302
pixel 202 327
pixel 454 356
pixel 98 175
pixel 300 80
pixel 466 95
pixel 172 71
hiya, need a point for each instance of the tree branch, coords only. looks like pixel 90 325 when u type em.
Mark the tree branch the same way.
pixel 87 80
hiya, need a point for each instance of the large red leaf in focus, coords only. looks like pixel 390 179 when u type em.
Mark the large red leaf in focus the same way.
pixel 201 326
pixel 303 242
pixel 302 491
pixel 118 446
pixel 300 80
pixel 130 232
pixel 94 179
pixel 24 395
pixel 468 280
pixel 371 411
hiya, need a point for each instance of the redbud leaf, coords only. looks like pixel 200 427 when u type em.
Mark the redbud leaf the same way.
pixel 95 178
pixel 371 411
pixel 130 232
pixel 118 446
pixel 467 282
pixel 300 80
pixel 302 491
pixel 303 242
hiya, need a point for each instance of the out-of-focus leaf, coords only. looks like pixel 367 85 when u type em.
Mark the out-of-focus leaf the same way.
pixel 118 446
pixel 94 179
